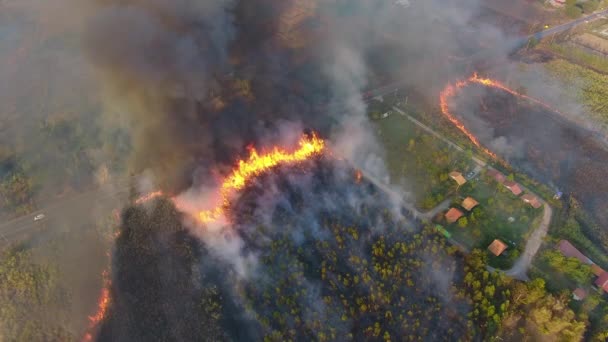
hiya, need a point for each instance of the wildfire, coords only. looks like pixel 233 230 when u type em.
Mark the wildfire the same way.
pixel 358 176
pixel 147 197
pixel 257 164
pixel 450 90
pixel 245 170
pixel 102 307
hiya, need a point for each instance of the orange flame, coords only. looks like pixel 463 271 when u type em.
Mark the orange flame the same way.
pixel 148 197
pixel 102 307
pixel 257 164
pixel 450 91
pixel 358 176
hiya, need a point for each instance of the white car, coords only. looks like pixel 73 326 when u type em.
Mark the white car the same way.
pixel 39 217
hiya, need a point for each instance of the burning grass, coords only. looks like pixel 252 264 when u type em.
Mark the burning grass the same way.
pixel 256 164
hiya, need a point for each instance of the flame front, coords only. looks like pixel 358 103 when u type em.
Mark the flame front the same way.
pixel 450 91
pixel 147 197
pixel 245 170
pixel 257 164
pixel 102 308
pixel 358 176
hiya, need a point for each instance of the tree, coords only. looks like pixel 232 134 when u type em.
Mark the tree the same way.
pixel 32 301
pixel 590 6
pixel 571 267
pixel 532 43
pixel 572 9
pixel 16 192
pixel 463 222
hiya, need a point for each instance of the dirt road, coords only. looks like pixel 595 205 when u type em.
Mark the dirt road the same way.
pixel 519 269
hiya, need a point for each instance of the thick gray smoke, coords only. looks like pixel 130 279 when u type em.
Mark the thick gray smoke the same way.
pixel 157 61
pixel 178 88
pixel 196 90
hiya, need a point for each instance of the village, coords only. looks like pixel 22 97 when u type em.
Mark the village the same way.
pixel 475 205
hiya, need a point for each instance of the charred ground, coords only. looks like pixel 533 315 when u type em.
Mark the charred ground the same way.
pixel 542 143
pixel 332 260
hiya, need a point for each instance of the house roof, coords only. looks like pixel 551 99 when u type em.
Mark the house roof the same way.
pixel 602 281
pixel 453 215
pixel 457 176
pixel 497 247
pixel 514 187
pixel 532 200
pixel 499 177
pixel 579 294
pixel 598 271
pixel 570 251
pixel 469 203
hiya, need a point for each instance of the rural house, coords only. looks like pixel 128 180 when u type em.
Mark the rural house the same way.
pixel 453 215
pixel 497 247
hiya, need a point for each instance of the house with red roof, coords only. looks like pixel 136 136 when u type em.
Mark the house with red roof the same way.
pixel 598 271
pixel 602 282
pixel 457 177
pixel 514 187
pixel 453 215
pixel 531 200
pixel 567 249
pixel 579 294
pixel 499 177
pixel 469 203
pixel 497 247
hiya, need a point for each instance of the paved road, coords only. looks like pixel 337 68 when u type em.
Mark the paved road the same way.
pixel 517 43
pixel 76 206
pixel 568 25
pixel 75 209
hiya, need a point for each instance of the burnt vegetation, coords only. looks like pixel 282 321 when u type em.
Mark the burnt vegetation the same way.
pixel 159 292
pixel 327 268
pixel 564 154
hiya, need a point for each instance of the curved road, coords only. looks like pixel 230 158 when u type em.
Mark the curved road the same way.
pixel 520 268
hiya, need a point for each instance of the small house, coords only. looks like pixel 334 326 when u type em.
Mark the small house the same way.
pixel 497 247
pixel 567 249
pixel 514 187
pixel 579 294
pixel 453 215
pixel 457 176
pixel 531 200
pixel 469 203
pixel 499 177
pixel 598 271
pixel 602 282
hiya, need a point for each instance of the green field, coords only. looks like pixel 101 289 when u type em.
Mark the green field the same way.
pixel 421 163
pixel 592 90
pixel 491 219
pixel 418 161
